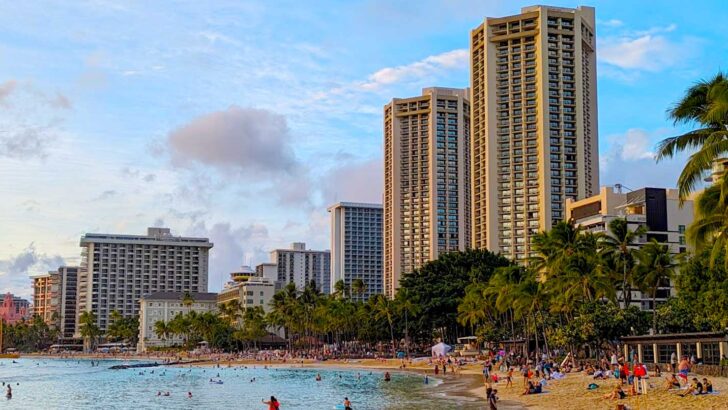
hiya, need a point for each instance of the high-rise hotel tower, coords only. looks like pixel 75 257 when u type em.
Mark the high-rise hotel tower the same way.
pixel 534 123
pixel 426 180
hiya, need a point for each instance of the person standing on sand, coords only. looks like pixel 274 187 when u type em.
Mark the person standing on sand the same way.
pixel 489 396
pixel 684 369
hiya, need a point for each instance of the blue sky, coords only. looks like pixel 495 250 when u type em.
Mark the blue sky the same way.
pixel 243 120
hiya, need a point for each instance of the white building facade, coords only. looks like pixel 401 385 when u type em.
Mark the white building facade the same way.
pixel 357 246
pixel 300 266
pixel 164 306
pixel 117 270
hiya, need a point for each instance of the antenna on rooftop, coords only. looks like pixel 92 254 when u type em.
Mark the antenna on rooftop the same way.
pixel 619 187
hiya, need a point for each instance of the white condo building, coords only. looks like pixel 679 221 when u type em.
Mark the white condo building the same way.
pixel 356 246
pixel 300 266
pixel 117 270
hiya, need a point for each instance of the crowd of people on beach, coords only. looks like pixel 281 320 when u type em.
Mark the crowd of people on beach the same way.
pixel 631 375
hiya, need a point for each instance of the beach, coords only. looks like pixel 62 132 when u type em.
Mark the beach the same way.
pixel 466 385
pixel 568 393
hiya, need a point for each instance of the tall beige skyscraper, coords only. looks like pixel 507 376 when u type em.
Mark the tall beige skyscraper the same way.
pixel 426 180
pixel 534 121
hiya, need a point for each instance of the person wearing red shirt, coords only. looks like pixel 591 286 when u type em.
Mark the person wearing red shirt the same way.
pixel 640 372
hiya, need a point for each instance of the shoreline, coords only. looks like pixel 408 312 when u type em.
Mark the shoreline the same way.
pixel 465 386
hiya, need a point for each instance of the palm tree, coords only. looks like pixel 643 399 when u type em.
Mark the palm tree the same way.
pixel 710 226
pixel 555 247
pixel 384 309
pixel 232 311
pixel 358 287
pixel 340 289
pixel 656 267
pixel 187 300
pixel 618 245
pixel 405 303
pixel 163 330
pixel 706 105
pixel 472 311
pixel 88 328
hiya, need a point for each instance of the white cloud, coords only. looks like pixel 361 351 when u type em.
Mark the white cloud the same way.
pixel 360 181
pixel 648 50
pixel 610 23
pixel 650 53
pixel 15 269
pixel 233 247
pixel 630 160
pixel 24 142
pixel 455 59
pixel 30 119
pixel 635 145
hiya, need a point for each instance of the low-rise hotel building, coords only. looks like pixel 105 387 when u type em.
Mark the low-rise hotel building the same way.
pixel 256 291
pixel 657 209
pixel 14 309
pixel 164 306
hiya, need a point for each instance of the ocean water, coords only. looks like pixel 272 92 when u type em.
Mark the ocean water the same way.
pixel 72 384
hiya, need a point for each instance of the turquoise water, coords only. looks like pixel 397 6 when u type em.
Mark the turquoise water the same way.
pixel 72 384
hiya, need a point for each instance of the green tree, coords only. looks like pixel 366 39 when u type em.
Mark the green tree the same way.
pixel 439 287
pixel 705 104
pixel 358 287
pixel 162 330
pixel 656 268
pixel 384 309
pixel 473 309
pixel 88 328
pixel 187 300
pixel 619 245
pixel 341 290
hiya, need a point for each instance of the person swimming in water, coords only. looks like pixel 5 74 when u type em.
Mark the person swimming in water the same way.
pixel 347 404
pixel 318 377
pixel 9 393
pixel 189 394
pixel 387 377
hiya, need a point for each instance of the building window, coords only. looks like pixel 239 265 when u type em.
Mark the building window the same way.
pixel 681 228
pixel 648 355
pixel 665 351
pixel 711 353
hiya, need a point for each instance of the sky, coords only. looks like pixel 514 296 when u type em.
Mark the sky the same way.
pixel 242 121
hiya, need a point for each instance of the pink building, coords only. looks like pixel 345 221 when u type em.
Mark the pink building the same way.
pixel 13 309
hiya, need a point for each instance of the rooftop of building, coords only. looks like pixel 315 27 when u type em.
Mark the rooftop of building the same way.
pixel 355 205
pixel 153 236
pixel 201 297
pixel 298 247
